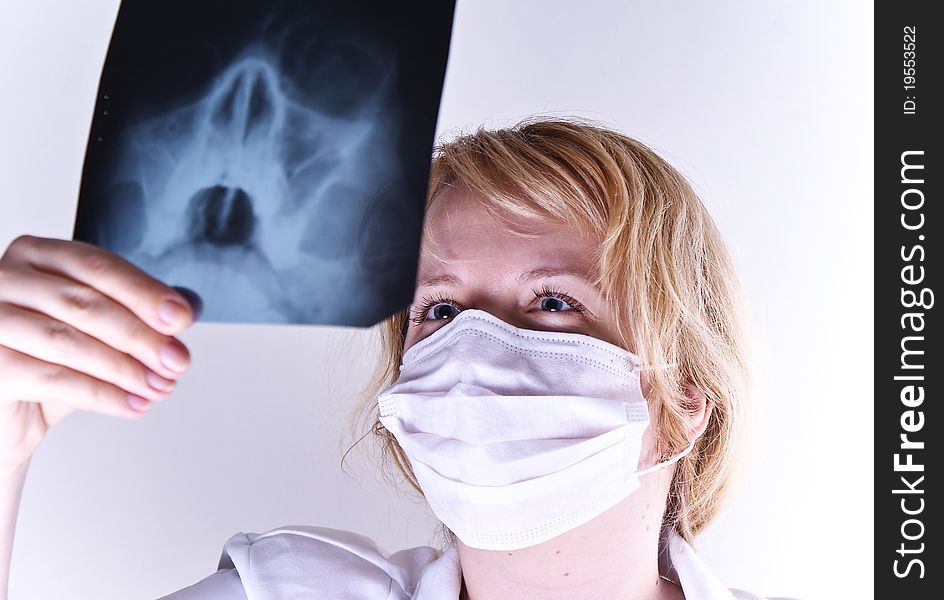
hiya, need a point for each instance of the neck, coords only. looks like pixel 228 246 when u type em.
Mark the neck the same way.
pixel 612 556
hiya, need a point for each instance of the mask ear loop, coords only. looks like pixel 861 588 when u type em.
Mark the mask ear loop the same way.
pixel 668 461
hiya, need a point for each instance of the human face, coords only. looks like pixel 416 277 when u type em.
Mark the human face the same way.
pixel 470 261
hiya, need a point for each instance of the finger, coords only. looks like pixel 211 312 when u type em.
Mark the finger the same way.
pixel 158 305
pixel 95 314
pixel 28 379
pixel 52 341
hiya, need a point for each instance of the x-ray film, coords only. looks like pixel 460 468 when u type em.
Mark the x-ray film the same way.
pixel 271 156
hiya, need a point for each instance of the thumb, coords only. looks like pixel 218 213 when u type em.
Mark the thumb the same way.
pixel 54 412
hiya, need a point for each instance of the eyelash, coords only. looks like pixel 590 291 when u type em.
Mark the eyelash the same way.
pixel 418 314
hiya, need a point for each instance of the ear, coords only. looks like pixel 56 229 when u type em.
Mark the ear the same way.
pixel 700 408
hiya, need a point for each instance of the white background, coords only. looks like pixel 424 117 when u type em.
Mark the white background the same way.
pixel 765 106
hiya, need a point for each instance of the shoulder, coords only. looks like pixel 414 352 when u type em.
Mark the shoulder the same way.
pixel 317 560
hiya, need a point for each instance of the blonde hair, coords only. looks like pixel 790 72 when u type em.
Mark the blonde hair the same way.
pixel 662 266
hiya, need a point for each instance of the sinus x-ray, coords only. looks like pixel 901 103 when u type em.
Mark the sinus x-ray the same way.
pixel 273 157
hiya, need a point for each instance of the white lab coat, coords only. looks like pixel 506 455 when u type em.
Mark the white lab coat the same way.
pixel 301 562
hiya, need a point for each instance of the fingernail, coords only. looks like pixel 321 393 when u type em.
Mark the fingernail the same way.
pixel 192 298
pixel 138 403
pixel 157 382
pixel 172 312
pixel 174 356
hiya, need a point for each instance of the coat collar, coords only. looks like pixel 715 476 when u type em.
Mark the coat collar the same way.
pixel 679 563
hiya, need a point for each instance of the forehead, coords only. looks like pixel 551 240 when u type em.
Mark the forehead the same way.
pixel 461 235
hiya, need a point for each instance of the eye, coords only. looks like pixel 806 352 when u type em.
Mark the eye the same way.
pixel 441 311
pixel 552 304
pixel 553 300
pixel 434 308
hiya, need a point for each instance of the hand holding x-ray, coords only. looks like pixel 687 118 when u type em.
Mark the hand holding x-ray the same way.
pixel 81 329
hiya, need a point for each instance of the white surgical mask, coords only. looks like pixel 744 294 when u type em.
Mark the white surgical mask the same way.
pixel 517 436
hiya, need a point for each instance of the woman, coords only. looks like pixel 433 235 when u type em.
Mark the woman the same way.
pixel 566 388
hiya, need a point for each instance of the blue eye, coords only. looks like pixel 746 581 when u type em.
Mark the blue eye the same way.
pixel 437 308
pixel 554 304
pixel 440 311
pixel 554 300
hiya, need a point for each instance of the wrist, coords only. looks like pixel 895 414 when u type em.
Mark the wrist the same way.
pixel 14 471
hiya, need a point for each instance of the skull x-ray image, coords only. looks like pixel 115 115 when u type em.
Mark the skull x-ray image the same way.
pixel 272 157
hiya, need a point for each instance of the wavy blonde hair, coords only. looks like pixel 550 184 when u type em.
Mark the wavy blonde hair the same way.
pixel 662 266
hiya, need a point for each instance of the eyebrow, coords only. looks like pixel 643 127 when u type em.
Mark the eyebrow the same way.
pixel 450 280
